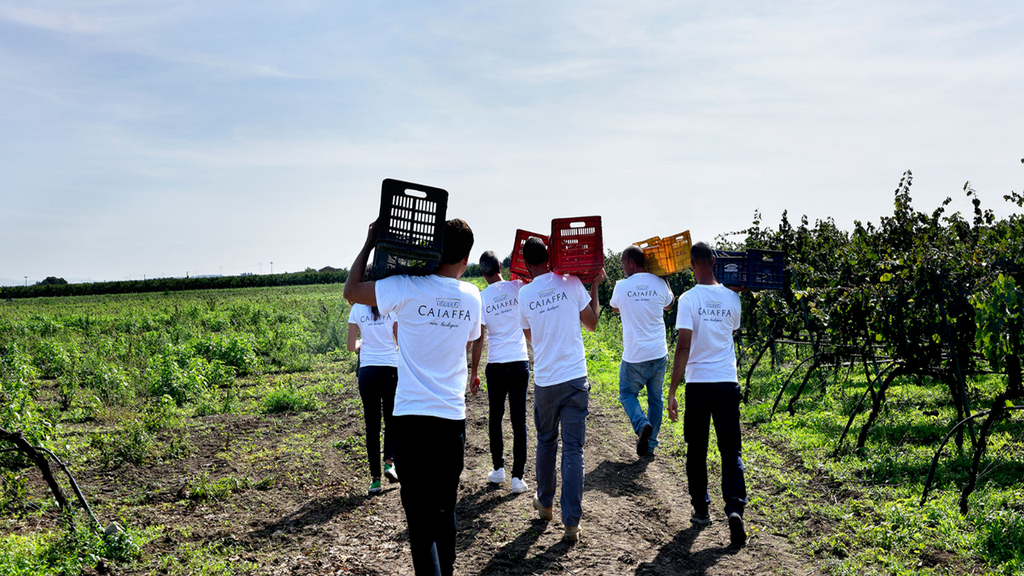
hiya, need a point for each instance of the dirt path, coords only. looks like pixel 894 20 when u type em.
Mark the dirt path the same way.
pixel 635 519
pixel 292 501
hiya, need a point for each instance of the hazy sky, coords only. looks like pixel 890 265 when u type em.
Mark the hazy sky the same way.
pixel 163 137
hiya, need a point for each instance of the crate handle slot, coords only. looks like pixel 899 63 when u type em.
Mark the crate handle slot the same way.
pixel 416 193
pixel 577 224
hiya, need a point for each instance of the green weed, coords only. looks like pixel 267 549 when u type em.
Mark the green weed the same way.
pixel 287 397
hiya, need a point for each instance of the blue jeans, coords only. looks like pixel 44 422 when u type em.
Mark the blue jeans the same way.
pixel 719 401
pixel 634 377
pixel 562 404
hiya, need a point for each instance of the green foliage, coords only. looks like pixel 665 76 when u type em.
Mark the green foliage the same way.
pixel 204 489
pixel 18 410
pixel 53 359
pixel 170 285
pixel 132 443
pixel 1000 318
pixel 287 397
pixel 13 490
pixel 1002 539
pixel 70 551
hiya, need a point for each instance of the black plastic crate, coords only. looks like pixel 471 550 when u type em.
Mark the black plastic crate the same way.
pixel 753 269
pixel 410 229
pixel 387 264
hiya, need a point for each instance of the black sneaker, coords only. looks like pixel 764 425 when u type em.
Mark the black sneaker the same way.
pixel 642 443
pixel 737 530
pixel 700 518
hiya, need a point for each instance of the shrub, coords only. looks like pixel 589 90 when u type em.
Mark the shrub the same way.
pixel 1003 539
pixel 52 359
pixel 286 397
pixel 132 444
pixel 235 350
pixel 110 383
pixel 18 409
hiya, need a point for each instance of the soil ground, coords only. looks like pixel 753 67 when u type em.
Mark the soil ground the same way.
pixel 312 515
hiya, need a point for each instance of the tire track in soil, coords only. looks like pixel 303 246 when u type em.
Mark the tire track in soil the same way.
pixel 635 519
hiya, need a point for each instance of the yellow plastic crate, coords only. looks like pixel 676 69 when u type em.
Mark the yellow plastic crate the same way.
pixel 657 258
pixel 666 256
pixel 679 248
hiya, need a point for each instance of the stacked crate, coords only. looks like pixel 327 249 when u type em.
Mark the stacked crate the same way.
pixel 410 229
pixel 576 247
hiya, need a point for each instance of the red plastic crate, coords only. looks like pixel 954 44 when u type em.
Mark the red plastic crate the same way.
pixel 517 268
pixel 576 247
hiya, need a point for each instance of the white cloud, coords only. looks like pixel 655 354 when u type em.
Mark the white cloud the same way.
pixel 237 125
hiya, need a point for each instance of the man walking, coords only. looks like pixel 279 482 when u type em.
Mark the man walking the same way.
pixel 439 315
pixel 641 298
pixel 551 310
pixel 507 371
pixel 708 315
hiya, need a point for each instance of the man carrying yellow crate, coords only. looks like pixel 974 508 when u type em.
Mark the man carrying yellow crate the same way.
pixel 641 298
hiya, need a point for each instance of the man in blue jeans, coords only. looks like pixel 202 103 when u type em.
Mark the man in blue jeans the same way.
pixel 551 310
pixel 708 315
pixel 439 315
pixel 641 299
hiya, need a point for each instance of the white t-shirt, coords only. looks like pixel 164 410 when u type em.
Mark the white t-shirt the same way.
pixel 437 316
pixel 712 313
pixel 641 300
pixel 550 308
pixel 505 339
pixel 378 348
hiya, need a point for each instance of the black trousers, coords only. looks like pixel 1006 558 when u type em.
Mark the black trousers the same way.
pixel 429 451
pixel 377 386
pixel 509 379
pixel 719 401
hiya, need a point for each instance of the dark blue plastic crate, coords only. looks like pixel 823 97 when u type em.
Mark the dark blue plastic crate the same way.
pixel 753 269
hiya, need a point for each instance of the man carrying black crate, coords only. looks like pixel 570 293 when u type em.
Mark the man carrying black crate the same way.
pixel 641 298
pixel 507 371
pixel 551 310
pixel 439 315
pixel 708 315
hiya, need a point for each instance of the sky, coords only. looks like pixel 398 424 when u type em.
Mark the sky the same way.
pixel 165 138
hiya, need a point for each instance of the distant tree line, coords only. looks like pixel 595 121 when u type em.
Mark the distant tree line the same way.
pixel 54 286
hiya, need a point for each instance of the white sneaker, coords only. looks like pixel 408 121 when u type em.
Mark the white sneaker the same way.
pixel 496 476
pixel 518 486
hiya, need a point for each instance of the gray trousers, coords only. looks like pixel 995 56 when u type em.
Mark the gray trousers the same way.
pixel 564 404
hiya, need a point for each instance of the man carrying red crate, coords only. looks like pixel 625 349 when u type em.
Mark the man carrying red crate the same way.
pixel 508 369
pixel 641 298
pixel 551 310
pixel 439 315
pixel 708 315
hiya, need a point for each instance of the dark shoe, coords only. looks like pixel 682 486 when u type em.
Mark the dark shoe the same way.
pixel 737 530
pixel 642 443
pixel 700 518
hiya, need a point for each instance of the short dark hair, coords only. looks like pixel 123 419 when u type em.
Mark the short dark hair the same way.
pixel 636 254
pixel 489 264
pixel 534 251
pixel 458 241
pixel 703 253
